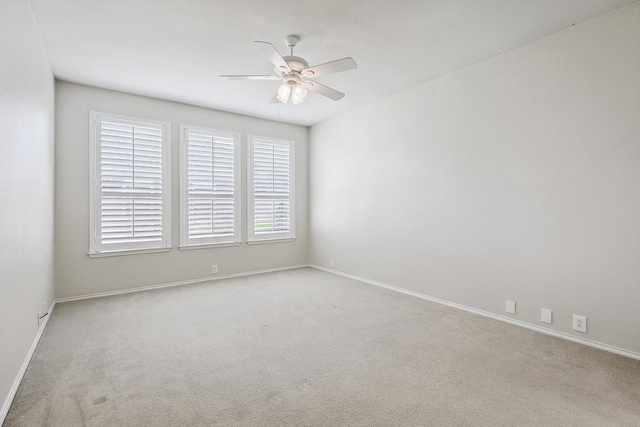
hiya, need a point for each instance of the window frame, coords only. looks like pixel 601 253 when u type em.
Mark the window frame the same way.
pixel 96 247
pixel 189 243
pixel 252 238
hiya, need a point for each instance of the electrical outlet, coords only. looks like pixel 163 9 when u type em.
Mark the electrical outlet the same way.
pixel 579 323
pixel 333 264
pixel 511 307
pixel 214 269
pixel 546 315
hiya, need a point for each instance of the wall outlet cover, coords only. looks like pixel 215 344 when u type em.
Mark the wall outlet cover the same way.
pixel 511 307
pixel 546 316
pixel 579 323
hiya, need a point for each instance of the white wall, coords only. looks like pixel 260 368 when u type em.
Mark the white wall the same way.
pixel 77 274
pixel 26 187
pixel 517 178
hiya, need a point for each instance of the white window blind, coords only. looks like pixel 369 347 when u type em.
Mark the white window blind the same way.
pixel 130 200
pixel 271 190
pixel 210 197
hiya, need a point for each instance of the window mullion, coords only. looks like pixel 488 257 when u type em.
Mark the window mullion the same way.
pixel 213 164
pixel 133 156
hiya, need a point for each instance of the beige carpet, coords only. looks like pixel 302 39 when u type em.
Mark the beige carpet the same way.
pixel 307 348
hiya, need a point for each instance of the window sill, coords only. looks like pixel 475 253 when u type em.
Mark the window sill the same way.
pixel 127 252
pixel 208 246
pixel 260 242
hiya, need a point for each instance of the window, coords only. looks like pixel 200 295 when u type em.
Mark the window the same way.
pixel 209 177
pixel 129 184
pixel 270 189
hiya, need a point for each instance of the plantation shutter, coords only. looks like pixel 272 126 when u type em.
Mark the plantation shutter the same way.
pixel 131 200
pixel 272 189
pixel 211 206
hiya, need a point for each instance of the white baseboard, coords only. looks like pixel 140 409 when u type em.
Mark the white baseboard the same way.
pixel 536 328
pixel 16 383
pixel 180 283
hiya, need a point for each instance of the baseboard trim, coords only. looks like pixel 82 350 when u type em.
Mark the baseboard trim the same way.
pixel 23 369
pixel 180 283
pixel 505 319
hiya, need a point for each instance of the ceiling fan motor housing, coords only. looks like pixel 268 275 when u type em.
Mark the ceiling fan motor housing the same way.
pixel 296 63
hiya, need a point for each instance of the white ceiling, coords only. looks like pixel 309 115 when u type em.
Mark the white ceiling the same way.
pixel 175 49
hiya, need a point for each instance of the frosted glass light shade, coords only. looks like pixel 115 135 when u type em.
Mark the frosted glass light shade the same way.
pixel 298 94
pixel 284 91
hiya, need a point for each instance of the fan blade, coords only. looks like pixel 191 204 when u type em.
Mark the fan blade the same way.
pixel 249 77
pixel 323 90
pixel 336 66
pixel 272 53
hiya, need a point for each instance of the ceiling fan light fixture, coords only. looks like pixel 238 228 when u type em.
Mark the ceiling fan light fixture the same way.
pixel 291 68
pixel 298 94
pixel 284 91
pixel 296 99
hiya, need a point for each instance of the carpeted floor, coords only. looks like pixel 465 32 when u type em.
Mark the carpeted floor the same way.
pixel 308 348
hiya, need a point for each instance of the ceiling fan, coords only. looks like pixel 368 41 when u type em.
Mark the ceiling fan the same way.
pixel 293 69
